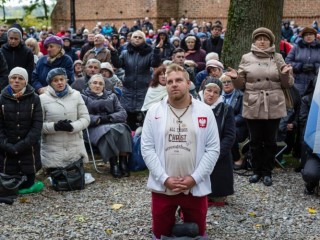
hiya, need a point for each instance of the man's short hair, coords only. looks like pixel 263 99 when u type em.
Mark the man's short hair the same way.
pixel 178 50
pixel 177 68
pixel 93 60
pixel 216 25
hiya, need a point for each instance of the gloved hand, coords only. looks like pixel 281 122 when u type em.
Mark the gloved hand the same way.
pixel 10 148
pixel 308 67
pixel 105 119
pixel 63 125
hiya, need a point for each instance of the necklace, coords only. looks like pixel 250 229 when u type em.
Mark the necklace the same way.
pixel 178 117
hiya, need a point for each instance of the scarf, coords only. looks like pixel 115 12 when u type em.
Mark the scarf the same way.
pixel 18 94
pixel 60 54
pixel 266 53
pixel 228 97
pixel 153 96
pixel 62 93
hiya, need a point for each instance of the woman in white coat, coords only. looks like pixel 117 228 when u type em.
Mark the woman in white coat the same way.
pixel 65 116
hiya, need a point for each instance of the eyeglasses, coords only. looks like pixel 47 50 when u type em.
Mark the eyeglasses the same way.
pixel 226 82
pixel 138 37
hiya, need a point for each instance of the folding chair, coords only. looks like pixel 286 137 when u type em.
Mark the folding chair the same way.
pixel 281 147
pixel 94 161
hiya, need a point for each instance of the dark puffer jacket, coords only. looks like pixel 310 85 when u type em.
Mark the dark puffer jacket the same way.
pixel 137 63
pixel 300 55
pixel 3 72
pixel 19 56
pixel 20 124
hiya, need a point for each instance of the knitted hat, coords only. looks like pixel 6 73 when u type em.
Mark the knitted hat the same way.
pixel 309 30
pixel 55 72
pixel 53 39
pixel 77 62
pixel 201 35
pixel 264 32
pixel 85 32
pixel 139 33
pixel 19 71
pixel 211 81
pixel 15 30
pixel 106 65
pixel 214 63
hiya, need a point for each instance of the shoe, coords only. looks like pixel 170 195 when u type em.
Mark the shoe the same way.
pixel 309 189
pixel 217 201
pixel 267 181
pixel 114 167
pixel 35 188
pixel 254 178
pixel 123 162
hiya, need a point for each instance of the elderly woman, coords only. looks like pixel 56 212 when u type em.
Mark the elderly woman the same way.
pixel 136 61
pixel 233 97
pixel 261 74
pixel 20 130
pixel 56 58
pixel 222 175
pixel 305 59
pixel 107 129
pixel 65 116
pixel 157 90
pixel 192 46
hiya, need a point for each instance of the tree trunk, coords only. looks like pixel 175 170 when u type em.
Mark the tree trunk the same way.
pixel 45 8
pixel 244 17
pixel 4 10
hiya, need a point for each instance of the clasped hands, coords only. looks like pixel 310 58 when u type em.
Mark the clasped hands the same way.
pixel 63 125
pixel 179 184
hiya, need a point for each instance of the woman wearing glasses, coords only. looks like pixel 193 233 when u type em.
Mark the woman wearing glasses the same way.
pixel 107 128
pixel 233 97
pixel 137 61
pixel 261 74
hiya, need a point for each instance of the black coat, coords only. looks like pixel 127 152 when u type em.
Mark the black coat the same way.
pixel 3 72
pixel 137 63
pixel 222 175
pixel 21 125
pixel 20 56
pixel 213 45
pixel 167 48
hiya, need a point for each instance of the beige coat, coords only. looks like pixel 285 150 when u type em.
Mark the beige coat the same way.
pixel 261 80
pixel 59 148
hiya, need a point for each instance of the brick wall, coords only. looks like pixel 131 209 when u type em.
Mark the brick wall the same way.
pixel 89 12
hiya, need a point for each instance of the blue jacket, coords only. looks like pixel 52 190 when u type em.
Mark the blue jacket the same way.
pixel 299 55
pixel 200 77
pixel 39 75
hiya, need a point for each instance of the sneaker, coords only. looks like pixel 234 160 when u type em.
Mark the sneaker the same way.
pixel 88 178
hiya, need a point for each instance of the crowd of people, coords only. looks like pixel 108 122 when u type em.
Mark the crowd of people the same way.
pixel 194 111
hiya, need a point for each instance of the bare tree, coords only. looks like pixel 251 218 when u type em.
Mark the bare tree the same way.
pixel 3 9
pixel 244 17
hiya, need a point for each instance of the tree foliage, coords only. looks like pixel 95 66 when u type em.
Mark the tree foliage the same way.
pixel 244 17
pixel 3 9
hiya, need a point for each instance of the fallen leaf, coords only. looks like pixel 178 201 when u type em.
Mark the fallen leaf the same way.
pixel 252 214
pixel 117 206
pixel 312 210
pixel 80 218
pixel 23 200
pixel 108 231
pixel 258 225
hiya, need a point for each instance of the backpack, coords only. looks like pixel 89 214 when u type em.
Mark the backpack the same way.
pixel 136 162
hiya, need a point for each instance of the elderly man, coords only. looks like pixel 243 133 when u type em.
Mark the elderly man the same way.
pixel 180 146
pixel 99 52
pixel 93 66
pixel 16 53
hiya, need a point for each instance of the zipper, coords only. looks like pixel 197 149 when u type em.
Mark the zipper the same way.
pixel 3 112
pixel 5 162
pixel 32 107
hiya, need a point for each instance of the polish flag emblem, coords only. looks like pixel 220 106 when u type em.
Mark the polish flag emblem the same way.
pixel 202 122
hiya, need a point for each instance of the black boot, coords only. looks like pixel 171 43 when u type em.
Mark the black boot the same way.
pixel 114 167
pixel 124 166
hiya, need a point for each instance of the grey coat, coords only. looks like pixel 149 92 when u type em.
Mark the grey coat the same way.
pixel 107 104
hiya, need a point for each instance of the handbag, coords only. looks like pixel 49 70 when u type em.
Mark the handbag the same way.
pixel 69 178
pixel 9 186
